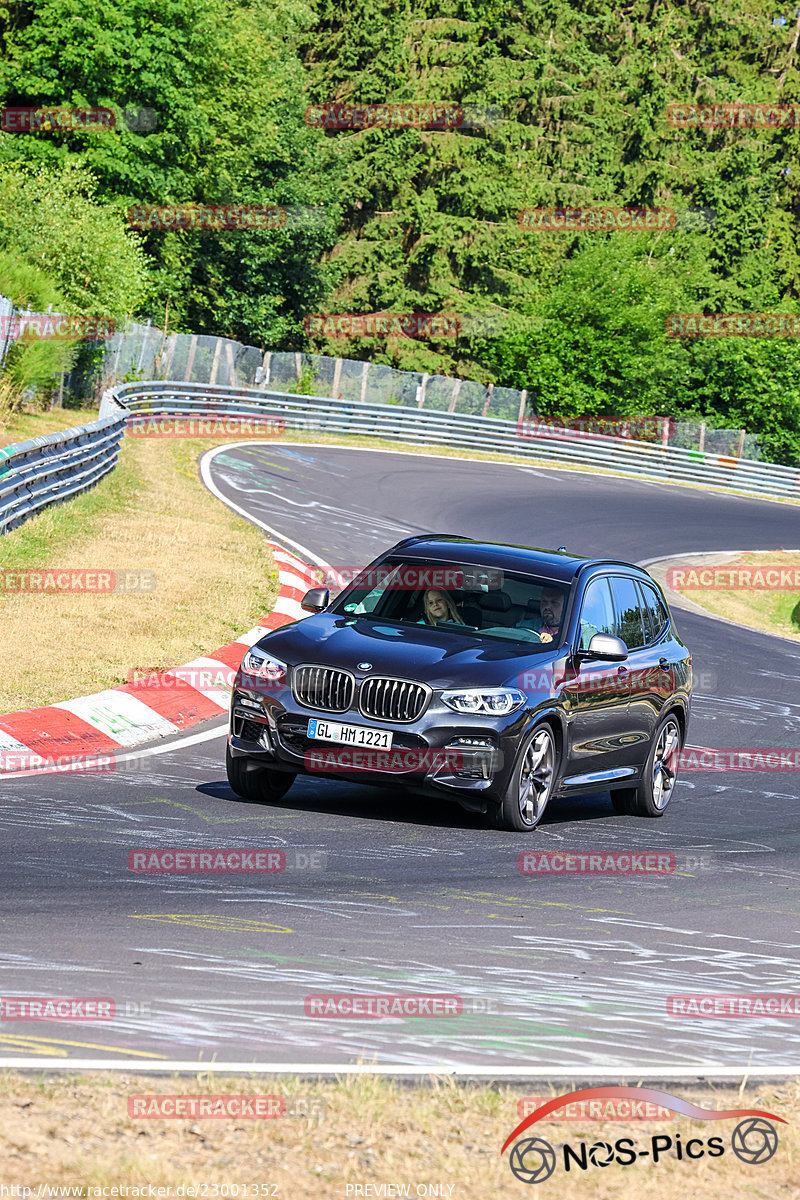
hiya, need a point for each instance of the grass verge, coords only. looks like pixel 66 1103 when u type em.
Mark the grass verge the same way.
pixel 18 427
pixel 214 578
pixel 756 607
pixel 63 1130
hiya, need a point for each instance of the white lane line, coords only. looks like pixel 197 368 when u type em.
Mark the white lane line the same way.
pixel 642 1070
pixel 193 738
pixel 205 475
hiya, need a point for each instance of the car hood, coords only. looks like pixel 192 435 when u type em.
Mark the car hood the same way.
pixel 419 652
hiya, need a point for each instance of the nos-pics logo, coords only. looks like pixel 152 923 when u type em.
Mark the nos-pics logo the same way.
pixel 533 1160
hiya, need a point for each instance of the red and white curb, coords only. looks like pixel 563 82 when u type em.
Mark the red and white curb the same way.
pixel 86 731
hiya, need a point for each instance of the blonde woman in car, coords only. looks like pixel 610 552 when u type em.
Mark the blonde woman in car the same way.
pixel 439 607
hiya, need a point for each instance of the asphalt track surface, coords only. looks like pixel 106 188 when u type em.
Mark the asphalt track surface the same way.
pixel 558 974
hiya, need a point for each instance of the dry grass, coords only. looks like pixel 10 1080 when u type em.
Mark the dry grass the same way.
pixel 76 1131
pixel 214 574
pixel 773 612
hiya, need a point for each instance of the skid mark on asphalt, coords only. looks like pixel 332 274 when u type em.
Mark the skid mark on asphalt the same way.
pixel 681 931
pixel 206 815
pixel 554 1000
pixel 530 1016
pixel 246 476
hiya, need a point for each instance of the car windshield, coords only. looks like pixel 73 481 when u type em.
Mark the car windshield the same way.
pixel 459 598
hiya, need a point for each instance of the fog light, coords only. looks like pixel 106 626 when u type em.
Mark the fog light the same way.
pixel 470 757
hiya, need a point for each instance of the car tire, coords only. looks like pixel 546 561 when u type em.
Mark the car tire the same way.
pixel 253 781
pixel 531 783
pixel 652 795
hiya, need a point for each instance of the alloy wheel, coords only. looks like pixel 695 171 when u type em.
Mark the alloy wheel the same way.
pixel 536 776
pixel 665 764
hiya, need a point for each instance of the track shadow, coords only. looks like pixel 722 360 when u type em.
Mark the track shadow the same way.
pixel 365 802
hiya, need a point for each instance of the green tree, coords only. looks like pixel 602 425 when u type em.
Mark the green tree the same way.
pixel 52 219
pixel 30 363
pixel 225 85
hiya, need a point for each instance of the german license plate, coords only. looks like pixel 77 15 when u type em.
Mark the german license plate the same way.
pixel 349 735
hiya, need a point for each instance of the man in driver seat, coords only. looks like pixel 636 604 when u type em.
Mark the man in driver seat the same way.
pixel 551 606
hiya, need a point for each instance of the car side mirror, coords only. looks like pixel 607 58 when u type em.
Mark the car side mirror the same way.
pixel 315 600
pixel 606 648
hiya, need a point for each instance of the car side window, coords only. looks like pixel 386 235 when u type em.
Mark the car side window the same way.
pixel 655 615
pixel 629 611
pixel 597 611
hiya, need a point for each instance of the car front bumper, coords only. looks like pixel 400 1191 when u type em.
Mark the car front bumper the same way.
pixel 466 757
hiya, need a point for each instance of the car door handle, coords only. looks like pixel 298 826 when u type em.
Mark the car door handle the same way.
pixel 622 670
pixel 664 664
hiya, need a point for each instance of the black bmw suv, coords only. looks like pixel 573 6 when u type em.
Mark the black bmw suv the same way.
pixel 496 675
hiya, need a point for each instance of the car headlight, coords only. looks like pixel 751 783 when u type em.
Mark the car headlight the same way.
pixel 263 667
pixel 496 702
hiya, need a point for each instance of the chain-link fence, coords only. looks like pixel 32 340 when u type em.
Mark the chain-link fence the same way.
pixel 733 443
pixel 144 352
pixel 139 352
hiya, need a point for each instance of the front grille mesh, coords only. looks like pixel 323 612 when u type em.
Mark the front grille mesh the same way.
pixel 251 731
pixel 323 687
pixel 391 699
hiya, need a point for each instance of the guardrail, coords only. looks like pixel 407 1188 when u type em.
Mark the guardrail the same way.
pixel 139 352
pixel 56 466
pixel 639 460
